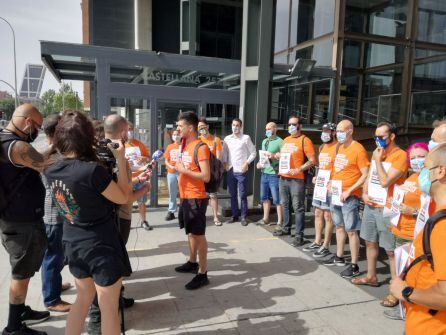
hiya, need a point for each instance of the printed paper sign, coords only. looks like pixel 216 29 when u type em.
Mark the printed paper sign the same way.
pixel 397 200
pixel 336 191
pixel 423 214
pixel 377 193
pixel 285 162
pixel 174 155
pixel 402 255
pixel 321 186
pixel 264 160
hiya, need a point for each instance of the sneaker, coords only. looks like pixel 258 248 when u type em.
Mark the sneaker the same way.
pixel 281 233
pixel 233 220
pixel 94 321
pixel 32 317
pixel 201 279
pixel 351 271
pixel 393 313
pixel 322 252
pixel 298 241
pixel 169 216
pixel 61 307
pixel 187 267
pixel 24 330
pixel 128 302
pixel 146 225
pixel 244 222
pixel 312 247
pixel 335 260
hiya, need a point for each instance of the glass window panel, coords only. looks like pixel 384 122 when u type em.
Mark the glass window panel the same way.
pixel 185 21
pixel 321 102
pixel 432 21
pixel 352 54
pixel 282 20
pixel 429 76
pixel 383 54
pixel 322 53
pixel 348 102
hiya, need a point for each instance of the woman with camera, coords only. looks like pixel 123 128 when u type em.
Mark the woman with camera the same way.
pixel 86 194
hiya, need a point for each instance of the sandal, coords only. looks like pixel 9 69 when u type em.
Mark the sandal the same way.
pixel 218 223
pixel 365 281
pixel 389 301
pixel 262 222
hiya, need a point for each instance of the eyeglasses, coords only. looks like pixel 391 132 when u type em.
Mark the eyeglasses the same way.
pixel 39 126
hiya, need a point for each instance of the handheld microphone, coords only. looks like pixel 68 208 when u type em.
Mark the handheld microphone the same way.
pixel 157 155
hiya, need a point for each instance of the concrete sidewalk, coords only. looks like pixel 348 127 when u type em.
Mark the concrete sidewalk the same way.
pixel 259 285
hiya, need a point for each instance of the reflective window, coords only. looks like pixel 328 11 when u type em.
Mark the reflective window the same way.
pixel 352 54
pixel 321 52
pixel 348 102
pixel 432 21
pixel 282 25
pixel 383 54
pixel 378 17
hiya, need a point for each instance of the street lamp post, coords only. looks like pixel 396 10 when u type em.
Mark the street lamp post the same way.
pixel 15 61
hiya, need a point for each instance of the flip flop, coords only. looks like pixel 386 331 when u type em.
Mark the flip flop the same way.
pixel 365 281
pixel 218 223
pixel 389 301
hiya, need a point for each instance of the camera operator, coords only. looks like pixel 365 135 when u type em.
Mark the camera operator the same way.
pixel 21 216
pixel 86 194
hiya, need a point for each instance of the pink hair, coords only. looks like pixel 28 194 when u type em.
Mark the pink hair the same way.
pixel 417 145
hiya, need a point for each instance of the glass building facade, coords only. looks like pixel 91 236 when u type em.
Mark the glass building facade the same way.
pixel 389 57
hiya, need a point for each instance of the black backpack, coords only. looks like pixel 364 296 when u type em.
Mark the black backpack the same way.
pixel 311 172
pixel 427 252
pixel 216 169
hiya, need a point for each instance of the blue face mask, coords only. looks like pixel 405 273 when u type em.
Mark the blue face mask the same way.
pixel 381 142
pixel 424 181
pixel 432 144
pixel 417 164
pixel 269 133
pixel 292 129
pixel 325 137
pixel 341 136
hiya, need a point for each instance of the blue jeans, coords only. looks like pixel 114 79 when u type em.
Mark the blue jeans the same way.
pixel 293 189
pixel 172 184
pixel 269 187
pixel 237 183
pixel 52 265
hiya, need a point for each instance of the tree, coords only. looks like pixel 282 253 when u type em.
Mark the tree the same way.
pixel 7 107
pixel 66 98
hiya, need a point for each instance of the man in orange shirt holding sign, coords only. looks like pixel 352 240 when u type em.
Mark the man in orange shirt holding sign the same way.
pixel 194 201
pixel 296 156
pixel 423 289
pixel 389 168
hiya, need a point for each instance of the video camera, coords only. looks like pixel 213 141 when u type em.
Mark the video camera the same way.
pixel 105 155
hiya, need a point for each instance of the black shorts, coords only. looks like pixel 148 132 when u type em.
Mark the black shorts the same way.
pixel 192 215
pixel 26 244
pixel 124 229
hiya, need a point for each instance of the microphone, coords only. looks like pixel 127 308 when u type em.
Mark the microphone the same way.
pixel 157 155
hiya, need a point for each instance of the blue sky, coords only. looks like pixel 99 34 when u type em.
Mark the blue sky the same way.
pixel 34 20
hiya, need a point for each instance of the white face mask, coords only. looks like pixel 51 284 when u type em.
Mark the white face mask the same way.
pixel 130 135
pixel 175 138
pixel 292 129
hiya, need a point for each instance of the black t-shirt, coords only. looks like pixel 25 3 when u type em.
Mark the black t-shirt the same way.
pixel 77 188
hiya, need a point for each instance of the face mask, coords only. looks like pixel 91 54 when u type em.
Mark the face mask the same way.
pixel 341 136
pixel 203 131
pixel 130 134
pixel 292 129
pixel 175 138
pixel 325 137
pixel 417 164
pixel 235 130
pixel 432 144
pixel 32 134
pixel 424 181
pixel 380 142
pixel 269 133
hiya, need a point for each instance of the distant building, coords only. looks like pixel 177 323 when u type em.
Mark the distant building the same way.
pixel 5 95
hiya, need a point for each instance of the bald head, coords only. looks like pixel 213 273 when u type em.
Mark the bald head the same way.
pixel 437 157
pixel 116 127
pixel 439 134
pixel 344 125
pixel 25 119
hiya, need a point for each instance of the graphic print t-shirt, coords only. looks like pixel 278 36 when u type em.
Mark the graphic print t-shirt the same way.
pixel 77 188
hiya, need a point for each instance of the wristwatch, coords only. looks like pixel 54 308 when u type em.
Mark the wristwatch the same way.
pixel 406 292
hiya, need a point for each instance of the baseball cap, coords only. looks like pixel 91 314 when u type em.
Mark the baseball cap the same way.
pixel 329 126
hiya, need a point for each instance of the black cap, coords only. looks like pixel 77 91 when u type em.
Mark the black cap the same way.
pixel 329 126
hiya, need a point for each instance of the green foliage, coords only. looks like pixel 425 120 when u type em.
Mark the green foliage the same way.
pixel 7 107
pixel 56 102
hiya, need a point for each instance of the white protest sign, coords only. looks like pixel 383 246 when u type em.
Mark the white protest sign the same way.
pixel 321 186
pixel 423 214
pixel 336 191
pixel 263 159
pixel 376 192
pixel 284 162
pixel 397 200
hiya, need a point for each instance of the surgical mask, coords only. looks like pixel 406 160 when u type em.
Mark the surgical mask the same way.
pixel 175 138
pixel 325 137
pixel 381 142
pixel 269 133
pixel 203 131
pixel 292 129
pixel 341 136
pixel 417 164
pixel 424 181
pixel 235 130
pixel 130 135
pixel 432 145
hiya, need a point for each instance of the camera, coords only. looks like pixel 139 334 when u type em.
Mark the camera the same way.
pixel 105 155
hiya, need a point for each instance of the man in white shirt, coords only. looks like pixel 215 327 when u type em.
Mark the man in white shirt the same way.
pixel 238 153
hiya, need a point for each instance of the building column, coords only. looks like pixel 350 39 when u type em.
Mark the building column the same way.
pixel 255 86
pixel 102 88
pixel 143 24
pixel 188 27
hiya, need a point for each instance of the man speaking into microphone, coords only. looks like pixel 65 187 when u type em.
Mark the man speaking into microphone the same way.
pixel 194 171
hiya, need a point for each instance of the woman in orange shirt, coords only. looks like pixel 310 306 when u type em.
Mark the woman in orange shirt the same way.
pixel 404 231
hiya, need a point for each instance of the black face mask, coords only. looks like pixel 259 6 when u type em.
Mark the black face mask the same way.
pixel 32 135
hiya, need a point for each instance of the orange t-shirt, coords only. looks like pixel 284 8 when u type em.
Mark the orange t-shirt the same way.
pixel 406 225
pixel 171 155
pixel 421 276
pixel 141 151
pixel 191 188
pixel 214 145
pixel 327 156
pixel 348 164
pixel 398 160
pixel 294 146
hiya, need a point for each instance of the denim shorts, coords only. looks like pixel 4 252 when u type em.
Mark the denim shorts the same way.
pixel 269 188
pixel 325 206
pixel 143 199
pixel 376 228
pixel 347 216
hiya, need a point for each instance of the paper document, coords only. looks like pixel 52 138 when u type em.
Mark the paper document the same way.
pixel 377 193
pixel 321 186
pixel 336 191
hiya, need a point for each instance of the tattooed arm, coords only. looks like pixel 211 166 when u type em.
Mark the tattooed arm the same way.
pixel 23 153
